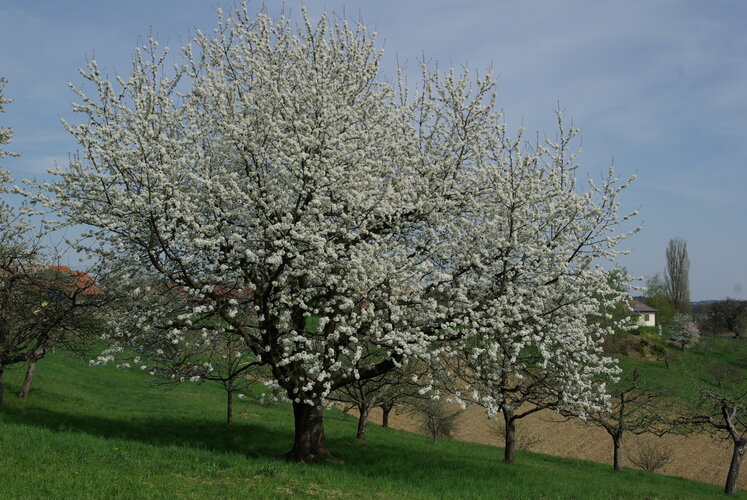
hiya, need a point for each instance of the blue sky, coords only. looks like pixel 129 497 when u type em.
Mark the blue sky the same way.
pixel 660 86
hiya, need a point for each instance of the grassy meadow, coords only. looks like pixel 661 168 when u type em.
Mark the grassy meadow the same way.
pixel 688 370
pixel 100 432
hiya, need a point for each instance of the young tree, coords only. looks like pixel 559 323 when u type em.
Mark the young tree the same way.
pixel 398 385
pixel 274 162
pixel 205 351
pixel 677 275
pixel 633 409
pixel 437 419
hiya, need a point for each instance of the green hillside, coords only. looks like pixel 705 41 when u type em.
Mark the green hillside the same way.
pixel 99 432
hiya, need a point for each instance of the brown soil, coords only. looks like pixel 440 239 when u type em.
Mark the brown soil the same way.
pixel 701 457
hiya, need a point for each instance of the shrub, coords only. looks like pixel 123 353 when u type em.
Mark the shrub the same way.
pixel 651 456
pixel 437 419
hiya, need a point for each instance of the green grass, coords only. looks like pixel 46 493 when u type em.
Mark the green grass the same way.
pixel 690 369
pixel 98 432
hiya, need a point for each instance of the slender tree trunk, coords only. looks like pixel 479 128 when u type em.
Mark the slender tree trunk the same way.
pixel 229 406
pixel 736 461
pixel 309 444
pixel 363 412
pixel 2 384
pixel 30 370
pixel 385 415
pixel 617 442
pixel 510 450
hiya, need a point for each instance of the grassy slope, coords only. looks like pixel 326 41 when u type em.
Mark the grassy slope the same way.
pixel 691 367
pixel 101 433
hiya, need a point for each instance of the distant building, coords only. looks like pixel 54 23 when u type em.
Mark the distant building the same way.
pixel 646 314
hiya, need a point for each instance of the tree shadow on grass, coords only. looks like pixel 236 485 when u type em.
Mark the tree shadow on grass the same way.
pixel 249 439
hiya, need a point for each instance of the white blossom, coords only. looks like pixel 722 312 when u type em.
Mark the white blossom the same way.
pixel 276 179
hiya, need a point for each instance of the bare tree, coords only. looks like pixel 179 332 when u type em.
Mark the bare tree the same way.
pixel 399 385
pixel 633 409
pixel 521 389
pixel 205 351
pixel 727 414
pixel 78 328
pixel 438 420
pixel 677 275
pixel 722 409
pixel 42 307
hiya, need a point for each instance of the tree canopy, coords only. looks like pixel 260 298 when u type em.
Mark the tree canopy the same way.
pixel 274 177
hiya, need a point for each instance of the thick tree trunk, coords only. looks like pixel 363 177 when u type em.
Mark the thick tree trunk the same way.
pixel 617 443
pixel 2 384
pixel 736 461
pixel 510 450
pixel 30 370
pixel 362 421
pixel 229 406
pixel 385 415
pixel 309 444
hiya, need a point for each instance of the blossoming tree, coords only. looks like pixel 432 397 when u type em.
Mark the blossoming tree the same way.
pixel 272 161
pixel 530 337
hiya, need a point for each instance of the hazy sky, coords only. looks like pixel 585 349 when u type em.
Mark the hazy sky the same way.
pixel 660 86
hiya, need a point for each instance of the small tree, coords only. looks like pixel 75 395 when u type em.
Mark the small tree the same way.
pixel 205 350
pixel 685 330
pixel 399 385
pixel 521 390
pixel 437 420
pixel 632 409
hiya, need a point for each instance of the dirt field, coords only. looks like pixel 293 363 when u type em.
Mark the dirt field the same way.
pixel 700 457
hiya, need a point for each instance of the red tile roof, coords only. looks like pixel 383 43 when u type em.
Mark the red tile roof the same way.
pixel 82 280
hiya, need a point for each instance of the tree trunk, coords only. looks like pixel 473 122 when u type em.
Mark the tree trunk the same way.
pixel 617 442
pixel 309 444
pixel 510 451
pixel 30 370
pixel 229 406
pixel 736 461
pixel 362 421
pixel 2 385
pixel 385 415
